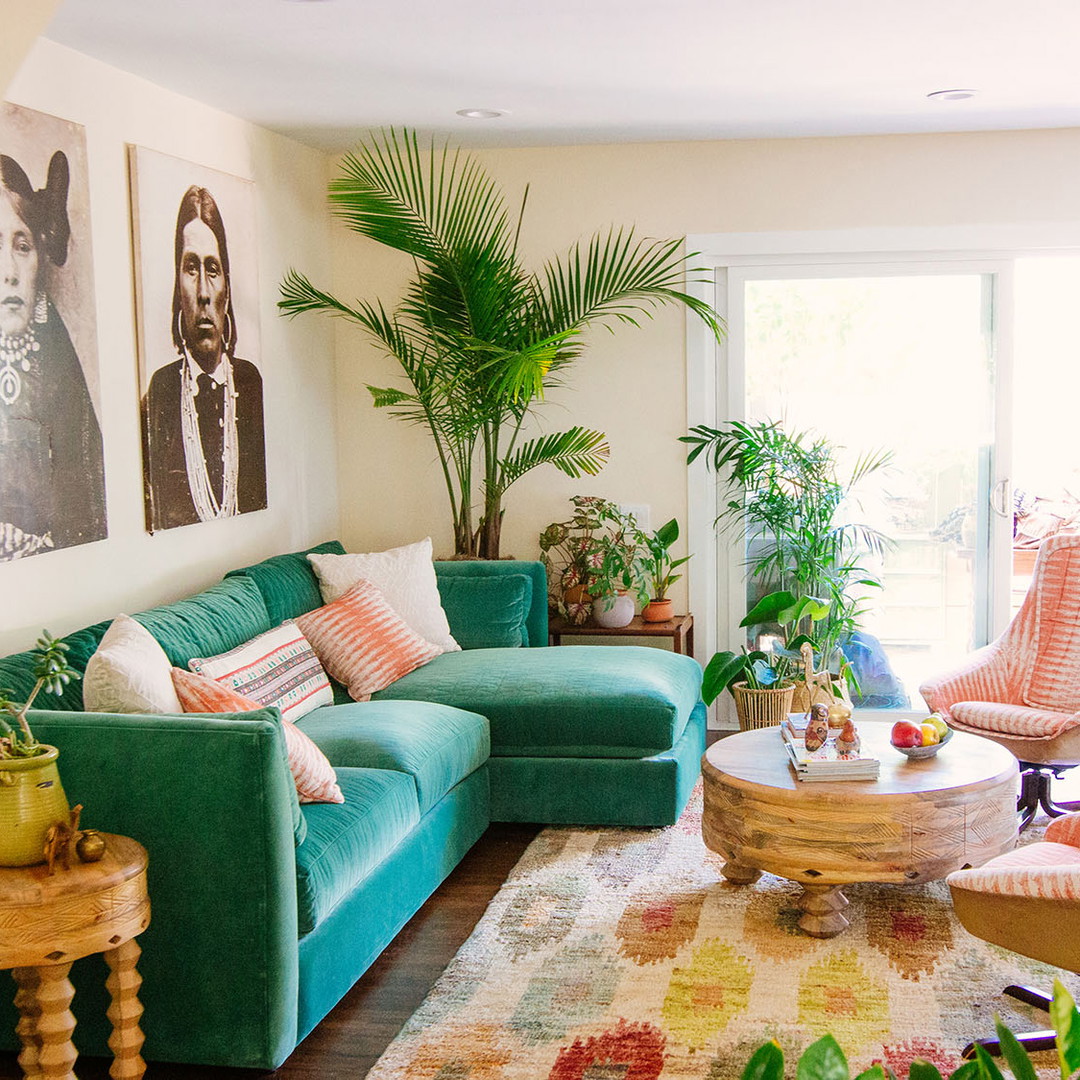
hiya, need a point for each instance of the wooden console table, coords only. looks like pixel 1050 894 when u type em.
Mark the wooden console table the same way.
pixel 49 921
pixel 680 629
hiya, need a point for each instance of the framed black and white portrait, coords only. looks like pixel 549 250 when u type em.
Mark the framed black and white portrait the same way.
pixel 52 471
pixel 201 388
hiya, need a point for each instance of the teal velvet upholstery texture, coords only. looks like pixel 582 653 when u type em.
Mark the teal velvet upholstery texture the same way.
pixel 265 912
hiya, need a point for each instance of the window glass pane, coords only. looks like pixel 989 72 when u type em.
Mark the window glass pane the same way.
pixel 897 363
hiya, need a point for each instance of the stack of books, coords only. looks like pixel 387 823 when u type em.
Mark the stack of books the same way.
pixel 824 763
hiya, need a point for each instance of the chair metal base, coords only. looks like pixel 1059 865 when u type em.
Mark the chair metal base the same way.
pixel 1029 1040
pixel 1035 792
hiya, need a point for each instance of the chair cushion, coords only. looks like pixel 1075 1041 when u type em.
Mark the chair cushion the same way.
pixel 1046 870
pixel 345 841
pixel 573 701
pixel 436 745
pixel 992 717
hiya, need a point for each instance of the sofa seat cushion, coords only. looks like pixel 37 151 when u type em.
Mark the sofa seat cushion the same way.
pixel 574 701
pixel 436 745
pixel 346 841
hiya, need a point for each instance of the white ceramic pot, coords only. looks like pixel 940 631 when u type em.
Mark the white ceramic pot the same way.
pixel 613 611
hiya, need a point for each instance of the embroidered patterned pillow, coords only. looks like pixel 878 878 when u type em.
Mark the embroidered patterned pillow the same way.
pixel 363 643
pixel 276 668
pixel 406 577
pixel 314 776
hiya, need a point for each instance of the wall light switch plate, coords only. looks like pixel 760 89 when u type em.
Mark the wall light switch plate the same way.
pixel 642 513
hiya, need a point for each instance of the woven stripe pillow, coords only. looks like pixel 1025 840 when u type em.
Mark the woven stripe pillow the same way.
pixel 314 776
pixel 363 643
pixel 276 668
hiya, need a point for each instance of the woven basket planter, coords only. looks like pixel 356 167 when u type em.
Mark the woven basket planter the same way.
pixel 761 708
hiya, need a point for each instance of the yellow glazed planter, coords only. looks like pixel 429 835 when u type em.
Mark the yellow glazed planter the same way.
pixel 31 800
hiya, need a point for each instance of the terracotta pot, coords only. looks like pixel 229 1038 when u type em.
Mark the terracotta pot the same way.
pixel 612 612
pixel 31 802
pixel 658 610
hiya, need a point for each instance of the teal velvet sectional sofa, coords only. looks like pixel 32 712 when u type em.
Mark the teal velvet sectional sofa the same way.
pixel 265 912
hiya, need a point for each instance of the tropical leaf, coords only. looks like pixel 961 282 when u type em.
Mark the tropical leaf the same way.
pixel 576 452
pixel 822 1060
pixel 766 1063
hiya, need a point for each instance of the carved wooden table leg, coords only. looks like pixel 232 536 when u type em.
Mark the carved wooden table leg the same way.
pixel 29 1010
pixel 738 874
pixel 55 1023
pixel 823 907
pixel 125 1011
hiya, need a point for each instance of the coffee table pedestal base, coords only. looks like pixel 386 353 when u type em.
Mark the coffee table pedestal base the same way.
pixel 823 911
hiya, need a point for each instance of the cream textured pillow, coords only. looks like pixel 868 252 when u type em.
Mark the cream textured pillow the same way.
pixel 277 668
pixel 406 578
pixel 129 673
pixel 362 642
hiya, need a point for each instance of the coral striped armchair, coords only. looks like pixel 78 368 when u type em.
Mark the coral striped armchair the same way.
pixel 1027 900
pixel 1023 690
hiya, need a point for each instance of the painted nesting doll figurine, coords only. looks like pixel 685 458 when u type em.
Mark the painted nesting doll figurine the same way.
pixel 848 742
pixel 817 730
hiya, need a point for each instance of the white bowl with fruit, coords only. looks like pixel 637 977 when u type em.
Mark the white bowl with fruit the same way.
pixel 920 740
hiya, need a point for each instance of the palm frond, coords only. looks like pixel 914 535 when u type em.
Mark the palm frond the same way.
pixel 576 452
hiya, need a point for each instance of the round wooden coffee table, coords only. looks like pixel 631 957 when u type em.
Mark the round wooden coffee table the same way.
pixel 919 821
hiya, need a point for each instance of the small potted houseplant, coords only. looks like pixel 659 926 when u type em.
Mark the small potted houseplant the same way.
pixel 658 565
pixel 617 583
pixel 31 797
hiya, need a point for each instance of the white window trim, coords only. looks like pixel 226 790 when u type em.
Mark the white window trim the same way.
pixel 708 396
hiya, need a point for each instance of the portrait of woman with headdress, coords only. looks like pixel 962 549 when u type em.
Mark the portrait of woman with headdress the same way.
pixel 52 476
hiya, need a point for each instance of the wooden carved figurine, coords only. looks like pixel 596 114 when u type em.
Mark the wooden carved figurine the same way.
pixel 58 840
pixel 817 730
pixel 848 741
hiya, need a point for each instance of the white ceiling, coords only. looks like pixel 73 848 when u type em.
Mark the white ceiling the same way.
pixel 598 71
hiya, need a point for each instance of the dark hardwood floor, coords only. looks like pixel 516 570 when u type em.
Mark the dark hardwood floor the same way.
pixel 349 1041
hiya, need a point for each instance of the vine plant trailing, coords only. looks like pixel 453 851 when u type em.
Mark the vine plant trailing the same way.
pixel 479 338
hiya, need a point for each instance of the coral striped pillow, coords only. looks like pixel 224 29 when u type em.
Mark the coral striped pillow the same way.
pixel 363 643
pixel 276 668
pixel 313 774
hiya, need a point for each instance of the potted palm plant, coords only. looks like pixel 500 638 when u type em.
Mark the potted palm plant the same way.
pixel 784 490
pixel 480 338
pixel 31 797
pixel 658 565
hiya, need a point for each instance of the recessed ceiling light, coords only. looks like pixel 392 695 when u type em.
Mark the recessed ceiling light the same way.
pixel 952 95
pixel 481 114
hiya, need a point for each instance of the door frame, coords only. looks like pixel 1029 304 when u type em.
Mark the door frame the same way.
pixel 714 381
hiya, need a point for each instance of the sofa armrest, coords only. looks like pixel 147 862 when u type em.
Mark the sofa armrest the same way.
pixel 209 798
pixel 536 621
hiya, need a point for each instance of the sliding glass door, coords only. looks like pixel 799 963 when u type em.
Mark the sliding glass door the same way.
pixel 903 358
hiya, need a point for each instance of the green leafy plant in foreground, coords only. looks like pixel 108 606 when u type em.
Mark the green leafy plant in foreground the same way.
pixel 824 1060
pixel 52 673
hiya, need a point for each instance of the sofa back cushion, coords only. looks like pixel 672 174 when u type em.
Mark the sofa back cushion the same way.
pixel 488 611
pixel 213 621
pixel 465 613
pixel 288 583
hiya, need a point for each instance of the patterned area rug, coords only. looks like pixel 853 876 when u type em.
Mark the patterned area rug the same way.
pixel 616 954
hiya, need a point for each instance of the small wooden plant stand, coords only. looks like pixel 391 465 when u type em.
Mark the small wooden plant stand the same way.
pixel 49 920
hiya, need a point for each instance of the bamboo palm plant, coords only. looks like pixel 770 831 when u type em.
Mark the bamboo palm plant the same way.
pixel 786 488
pixel 479 338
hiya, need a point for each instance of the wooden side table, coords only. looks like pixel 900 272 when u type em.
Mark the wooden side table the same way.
pixel 46 923
pixel 680 629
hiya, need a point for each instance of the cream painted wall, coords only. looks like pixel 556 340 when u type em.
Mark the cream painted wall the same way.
pixel 64 590
pixel 24 20
pixel 633 384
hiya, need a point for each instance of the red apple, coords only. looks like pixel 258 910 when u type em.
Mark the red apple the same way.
pixel 906 734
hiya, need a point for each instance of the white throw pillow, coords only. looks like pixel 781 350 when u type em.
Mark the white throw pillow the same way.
pixel 406 578
pixel 129 673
